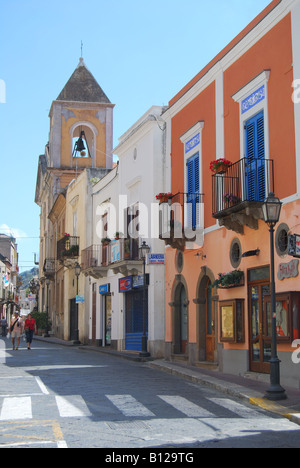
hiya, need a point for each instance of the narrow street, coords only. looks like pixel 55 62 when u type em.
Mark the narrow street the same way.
pixel 64 397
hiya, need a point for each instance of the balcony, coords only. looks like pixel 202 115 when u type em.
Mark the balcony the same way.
pixel 182 221
pixel 68 250
pixel 239 193
pixel 122 256
pixel 49 267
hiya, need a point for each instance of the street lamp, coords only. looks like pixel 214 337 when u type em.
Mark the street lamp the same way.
pixel 144 250
pixel 77 274
pixel 46 335
pixel 271 211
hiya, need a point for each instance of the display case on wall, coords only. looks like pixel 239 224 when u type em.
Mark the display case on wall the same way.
pixel 232 321
pixel 287 317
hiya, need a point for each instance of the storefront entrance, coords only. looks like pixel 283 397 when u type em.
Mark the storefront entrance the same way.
pixel 260 342
pixel 134 318
pixel 107 319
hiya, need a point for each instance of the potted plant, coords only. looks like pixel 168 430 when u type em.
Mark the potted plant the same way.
pixel 220 166
pixel 118 235
pixel 105 241
pixel 231 199
pixel 229 280
pixel 164 197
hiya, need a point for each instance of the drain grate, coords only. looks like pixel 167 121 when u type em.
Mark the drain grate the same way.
pixel 127 425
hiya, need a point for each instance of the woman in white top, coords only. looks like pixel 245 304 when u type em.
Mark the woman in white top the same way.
pixel 16 329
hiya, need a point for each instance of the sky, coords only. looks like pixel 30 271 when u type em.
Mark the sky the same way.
pixel 141 52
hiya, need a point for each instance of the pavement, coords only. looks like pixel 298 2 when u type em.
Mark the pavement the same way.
pixel 249 390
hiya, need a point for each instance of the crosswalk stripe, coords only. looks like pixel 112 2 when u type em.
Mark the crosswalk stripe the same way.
pixel 129 406
pixel 72 406
pixel 186 407
pixel 16 409
pixel 234 407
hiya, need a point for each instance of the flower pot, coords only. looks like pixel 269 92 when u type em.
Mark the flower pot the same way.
pixel 222 169
pixel 164 199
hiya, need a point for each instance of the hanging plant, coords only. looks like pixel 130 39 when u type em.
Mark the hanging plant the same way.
pixel 220 166
pixel 164 197
pixel 229 280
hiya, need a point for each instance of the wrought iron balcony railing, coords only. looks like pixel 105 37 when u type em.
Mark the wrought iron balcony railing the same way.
pixel 245 182
pixel 102 256
pixel 67 247
pixel 182 219
pixel 49 267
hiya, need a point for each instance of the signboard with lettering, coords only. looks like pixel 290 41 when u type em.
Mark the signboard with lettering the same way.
pixel 104 289
pixel 125 284
pixel 79 299
pixel 156 259
pixel 294 245
pixel 253 99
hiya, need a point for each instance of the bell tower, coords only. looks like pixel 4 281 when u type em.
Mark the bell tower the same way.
pixel 81 125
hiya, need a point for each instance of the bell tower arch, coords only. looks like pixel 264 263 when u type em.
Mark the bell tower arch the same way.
pixel 81 124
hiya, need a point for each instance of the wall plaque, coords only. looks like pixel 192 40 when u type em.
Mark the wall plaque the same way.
pixel 288 270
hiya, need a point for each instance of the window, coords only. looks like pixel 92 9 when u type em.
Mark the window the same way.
pixel 255 158
pixel 193 185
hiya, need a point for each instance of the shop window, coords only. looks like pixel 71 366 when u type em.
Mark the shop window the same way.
pixel 287 317
pixel 232 321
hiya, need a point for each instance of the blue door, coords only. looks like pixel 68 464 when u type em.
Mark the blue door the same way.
pixel 193 187
pixel 134 319
pixel 255 158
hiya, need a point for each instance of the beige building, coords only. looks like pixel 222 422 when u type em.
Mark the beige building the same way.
pixel 79 151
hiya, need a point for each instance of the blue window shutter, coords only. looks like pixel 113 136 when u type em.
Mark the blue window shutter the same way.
pixel 255 157
pixel 193 187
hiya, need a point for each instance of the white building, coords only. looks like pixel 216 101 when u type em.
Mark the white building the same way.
pixel 124 202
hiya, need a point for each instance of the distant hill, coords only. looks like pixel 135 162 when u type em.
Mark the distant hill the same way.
pixel 27 276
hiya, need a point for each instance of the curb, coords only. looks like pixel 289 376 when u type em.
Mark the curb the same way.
pixel 249 396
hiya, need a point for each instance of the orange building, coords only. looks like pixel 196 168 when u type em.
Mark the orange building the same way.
pixel 242 107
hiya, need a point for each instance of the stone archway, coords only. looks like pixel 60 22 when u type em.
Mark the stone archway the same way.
pixel 180 320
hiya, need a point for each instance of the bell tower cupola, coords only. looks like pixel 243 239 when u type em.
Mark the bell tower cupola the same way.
pixel 81 124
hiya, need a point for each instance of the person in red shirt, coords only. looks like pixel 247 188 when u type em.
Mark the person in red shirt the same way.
pixel 30 329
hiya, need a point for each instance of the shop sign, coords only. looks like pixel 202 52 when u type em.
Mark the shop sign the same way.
pixel 79 299
pixel 125 284
pixel 156 259
pixel 294 245
pixel 138 281
pixel 104 289
pixel 115 251
pixel 288 270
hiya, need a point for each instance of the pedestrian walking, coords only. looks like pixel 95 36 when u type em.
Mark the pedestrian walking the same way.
pixel 16 329
pixel 30 330
pixel 4 326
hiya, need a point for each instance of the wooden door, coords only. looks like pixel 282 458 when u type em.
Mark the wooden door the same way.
pixel 209 324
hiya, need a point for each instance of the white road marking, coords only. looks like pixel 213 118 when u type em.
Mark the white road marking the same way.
pixel 16 409
pixel 186 407
pixel 236 408
pixel 129 406
pixel 42 386
pixel 72 406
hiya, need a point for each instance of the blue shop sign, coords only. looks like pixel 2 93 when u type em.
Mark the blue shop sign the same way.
pixel 104 289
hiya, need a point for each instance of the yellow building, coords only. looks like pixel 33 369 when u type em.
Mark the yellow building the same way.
pixel 79 150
